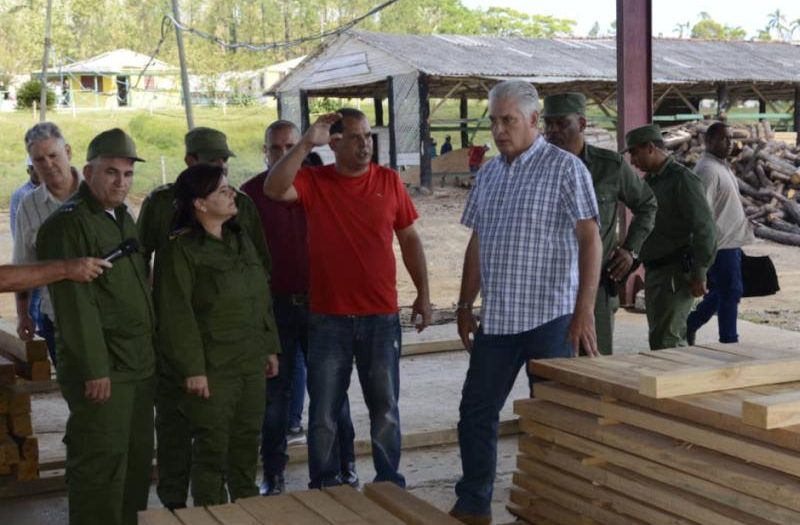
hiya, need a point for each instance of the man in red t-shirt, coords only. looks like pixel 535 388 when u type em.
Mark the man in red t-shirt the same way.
pixel 353 211
pixel 476 155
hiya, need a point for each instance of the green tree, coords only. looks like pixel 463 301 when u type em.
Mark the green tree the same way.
pixel 709 29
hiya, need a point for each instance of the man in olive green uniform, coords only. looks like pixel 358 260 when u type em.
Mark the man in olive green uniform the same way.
pixel 614 181
pixel 681 247
pixel 106 359
pixel 174 456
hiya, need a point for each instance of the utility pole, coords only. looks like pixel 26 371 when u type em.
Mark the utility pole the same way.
pixel 45 60
pixel 187 94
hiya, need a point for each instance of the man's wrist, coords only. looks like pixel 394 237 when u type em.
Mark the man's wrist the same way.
pixel 464 305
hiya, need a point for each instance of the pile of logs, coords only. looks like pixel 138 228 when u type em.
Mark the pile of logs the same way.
pixel 767 172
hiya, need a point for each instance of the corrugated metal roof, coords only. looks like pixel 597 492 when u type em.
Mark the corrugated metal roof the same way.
pixel 117 61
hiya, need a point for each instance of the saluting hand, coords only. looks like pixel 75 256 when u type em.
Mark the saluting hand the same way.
pixel 198 385
pixel 319 133
pixel 271 370
pixel 85 269
pixel 98 390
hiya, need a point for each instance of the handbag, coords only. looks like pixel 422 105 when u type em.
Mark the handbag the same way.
pixel 759 276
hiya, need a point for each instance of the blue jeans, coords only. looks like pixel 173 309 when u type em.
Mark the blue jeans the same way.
pixel 493 368
pixel 47 331
pixel 298 395
pixel 725 291
pixel 374 342
pixel 292 320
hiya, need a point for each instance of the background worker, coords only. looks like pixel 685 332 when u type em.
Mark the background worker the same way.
pixel 614 181
pixel 106 359
pixel 678 252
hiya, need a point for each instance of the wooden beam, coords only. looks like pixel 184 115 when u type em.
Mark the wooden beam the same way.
pixel 446 97
pixel 775 411
pixel 362 505
pixel 425 167
pixel 686 101
pixel 157 517
pixel 304 111
pixel 765 99
pixel 700 380
pixel 392 123
pixel 463 110
pixel 661 98
pixel 378 103
pixel 11 344
pixel 432 347
pixel 405 506
pixel 796 112
pixel 8 374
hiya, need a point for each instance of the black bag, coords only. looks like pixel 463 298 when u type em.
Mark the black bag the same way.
pixel 759 276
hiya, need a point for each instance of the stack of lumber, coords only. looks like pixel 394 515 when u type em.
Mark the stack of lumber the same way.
pixel 30 358
pixel 767 170
pixel 19 449
pixel 380 504
pixel 702 435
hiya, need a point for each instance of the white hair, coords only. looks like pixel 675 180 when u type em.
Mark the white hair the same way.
pixel 523 92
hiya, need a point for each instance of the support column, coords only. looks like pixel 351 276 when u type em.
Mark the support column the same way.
pixel 425 169
pixel 723 101
pixel 378 101
pixel 304 121
pixel 464 115
pixel 797 113
pixel 634 92
pixel 279 103
pixel 392 123
pixel 762 107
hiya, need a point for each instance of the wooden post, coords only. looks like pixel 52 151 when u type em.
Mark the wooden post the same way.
pixel 425 169
pixel 378 101
pixel 762 107
pixel 797 112
pixel 392 123
pixel 463 114
pixel 187 93
pixel 45 60
pixel 304 119
pixel 723 101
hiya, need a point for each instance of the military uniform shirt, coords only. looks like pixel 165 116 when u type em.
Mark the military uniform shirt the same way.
pixel 105 327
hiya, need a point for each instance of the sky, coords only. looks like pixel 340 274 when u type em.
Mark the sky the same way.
pixel 747 14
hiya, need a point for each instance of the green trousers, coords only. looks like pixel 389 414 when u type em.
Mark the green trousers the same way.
pixel 668 300
pixel 605 307
pixel 173 443
pixel 225 430
pixel 109 453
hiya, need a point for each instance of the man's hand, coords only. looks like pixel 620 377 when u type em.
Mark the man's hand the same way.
pixel 26 328
pixel 85 269
pixel 319 133
pixel 698 287
pixel 582 333
pixel 98 390
pixel 198 385
pixel 619 264
pixel 467 326
pixel 271 370
pixel 421 313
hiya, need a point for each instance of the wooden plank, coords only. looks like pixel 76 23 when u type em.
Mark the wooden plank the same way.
pixel 673 498
pixel 692 358
pixel 20 425
pixel 406 506
pixel 746 449
pixel 195 516
pixel 10 451
pixel 232 514
pixel 778 489
pixel 727 377
pixel 12 345
pixel 362 505
pixel 27 469
pixel 29 447
pixel 11 488
pixel 36 387
pixel 775 411
pixel 432 347
pixel 279 510
pixel 8 374
pixel 14 400
pixel 36 371
pixel 157 517
pixel 328 508
pixel 545 513
pixel 761 350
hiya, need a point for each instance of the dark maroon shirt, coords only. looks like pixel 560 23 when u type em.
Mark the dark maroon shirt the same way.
pixel 285 230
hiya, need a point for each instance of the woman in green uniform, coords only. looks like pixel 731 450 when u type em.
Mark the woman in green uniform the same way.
pixel 213 316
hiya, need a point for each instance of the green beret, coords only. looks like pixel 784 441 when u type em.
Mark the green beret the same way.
pixel 564 104
pixel 208 143
pixel 642 135
pixel 113 143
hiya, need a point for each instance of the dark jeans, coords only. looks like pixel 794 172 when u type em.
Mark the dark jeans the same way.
pixel 374 341
pixel 47 331
pixel 298 391
pixel 493 367
pixel 292 321
pixel 725 291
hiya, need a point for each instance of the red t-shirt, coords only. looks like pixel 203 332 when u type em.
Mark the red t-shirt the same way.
pixel 351 225
pixel 476 154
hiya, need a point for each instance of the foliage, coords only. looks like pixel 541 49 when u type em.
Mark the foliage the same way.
pixel 709 29
pixel 30 92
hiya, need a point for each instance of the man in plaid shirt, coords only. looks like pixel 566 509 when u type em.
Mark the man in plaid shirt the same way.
pixel 535 257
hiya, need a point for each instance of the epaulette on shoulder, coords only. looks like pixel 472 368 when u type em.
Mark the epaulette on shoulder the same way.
pixel 161 189
pixel 174 234
pixel 69 207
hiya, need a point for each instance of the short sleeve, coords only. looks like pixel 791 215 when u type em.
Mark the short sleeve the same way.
pixel 302 184
pixel 406 212
pixel 577 192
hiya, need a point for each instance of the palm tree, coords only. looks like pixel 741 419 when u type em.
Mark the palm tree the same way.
pixel 679 28
pixel 777 21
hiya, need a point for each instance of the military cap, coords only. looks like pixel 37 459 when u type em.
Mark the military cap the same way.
pixel 642 135
pixel 112 143
pixel 207 142
pixel 564 104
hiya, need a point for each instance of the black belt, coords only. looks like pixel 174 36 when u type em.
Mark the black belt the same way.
pixel 682 256
pixel 295 299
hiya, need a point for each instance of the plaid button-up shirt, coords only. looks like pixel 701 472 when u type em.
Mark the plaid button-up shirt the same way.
pixel 525 214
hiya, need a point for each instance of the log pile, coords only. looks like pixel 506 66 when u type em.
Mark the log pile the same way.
pixel 767 171
pixel 705 435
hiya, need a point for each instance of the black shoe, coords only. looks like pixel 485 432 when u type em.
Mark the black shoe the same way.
pixel 690 336
pixel 349 476
pixel 172 507
pixel 272 486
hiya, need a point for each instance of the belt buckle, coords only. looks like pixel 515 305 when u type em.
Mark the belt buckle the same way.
pixel 297 299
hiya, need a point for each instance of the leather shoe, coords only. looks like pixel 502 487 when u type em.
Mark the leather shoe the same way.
pixel 272 486
pixel 471 519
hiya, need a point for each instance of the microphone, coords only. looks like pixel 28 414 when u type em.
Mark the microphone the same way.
pixel 126 247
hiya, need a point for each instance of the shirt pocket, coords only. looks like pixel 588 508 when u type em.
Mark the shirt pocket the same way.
pixel 607 206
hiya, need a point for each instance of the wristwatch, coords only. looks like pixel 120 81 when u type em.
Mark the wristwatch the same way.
pixel 463 306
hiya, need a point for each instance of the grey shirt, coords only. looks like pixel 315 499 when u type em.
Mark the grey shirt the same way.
pixel 722 193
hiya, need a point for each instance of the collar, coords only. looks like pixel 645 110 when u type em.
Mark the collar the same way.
pixel 663 168
pixel 538 143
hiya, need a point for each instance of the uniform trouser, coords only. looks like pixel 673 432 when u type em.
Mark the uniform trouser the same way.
pixel 605 307
pixel 725 291
pixel 494 364
pixel 109 453
pixel 668 300
pixel 173 442
pixel 225 430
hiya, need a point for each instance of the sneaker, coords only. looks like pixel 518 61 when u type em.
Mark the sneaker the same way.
pixel 471 519
pixel 272 486
pixel 349 475
pixel 296 436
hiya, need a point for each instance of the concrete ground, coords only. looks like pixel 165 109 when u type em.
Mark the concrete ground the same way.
pixel 430 394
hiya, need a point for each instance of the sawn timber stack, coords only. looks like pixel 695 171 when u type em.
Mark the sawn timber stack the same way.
pixel 606 441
